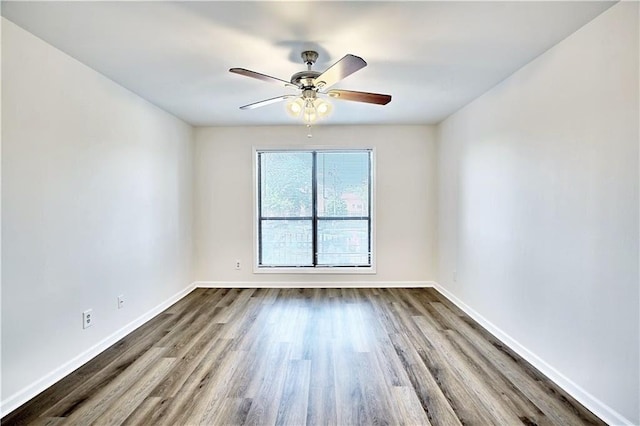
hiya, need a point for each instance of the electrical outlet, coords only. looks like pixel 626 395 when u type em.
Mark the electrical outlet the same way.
pixel 121 301
pixel 237 264
pixel 87 318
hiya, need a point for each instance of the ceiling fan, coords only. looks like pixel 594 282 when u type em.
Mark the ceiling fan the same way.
pixel 314 85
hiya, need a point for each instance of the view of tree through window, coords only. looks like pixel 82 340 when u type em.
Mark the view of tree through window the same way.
pixel 314 208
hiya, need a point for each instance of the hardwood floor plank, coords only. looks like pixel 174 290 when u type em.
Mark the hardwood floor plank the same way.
pixel 387 359
pixel 384 314
pixel 433 400
pixel 460 397
pixel 321 408
pixel 188 323
pixel 349 399
pixel 511 396
pixel 85 376
pixel 359 327
pixel 295 396
pixel 214 393
pixel 322 392
pixel 243 318
pixel 378 406
pixel 267 295
pixel 187 361
pixel 117 413
pixel 109 395
pixel 233 411
pixel 540 393
pixel 105 369
pixel 48 421
pixel 409 408
pixel 265 406
pixel 352 356
pixel 236 307
pixel 193 398
pixel 479 393
pixel 143 411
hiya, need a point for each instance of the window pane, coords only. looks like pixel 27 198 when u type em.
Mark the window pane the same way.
pixel 343 184
pixel 286 243
pixel 343 242
pixel 285 184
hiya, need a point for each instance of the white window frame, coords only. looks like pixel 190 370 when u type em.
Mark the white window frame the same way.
pixel 345 270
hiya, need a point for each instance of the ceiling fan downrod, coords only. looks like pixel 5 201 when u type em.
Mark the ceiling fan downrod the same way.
pixel 309 57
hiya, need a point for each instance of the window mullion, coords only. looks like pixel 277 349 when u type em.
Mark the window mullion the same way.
pixel 369 202
pixel 314 209
pixel 259 208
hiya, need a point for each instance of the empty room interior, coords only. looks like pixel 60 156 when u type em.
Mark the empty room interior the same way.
pixel 418 213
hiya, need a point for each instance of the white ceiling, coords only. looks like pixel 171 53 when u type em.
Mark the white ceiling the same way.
pixel 433 57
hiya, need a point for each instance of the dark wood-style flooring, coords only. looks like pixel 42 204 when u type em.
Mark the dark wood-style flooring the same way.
pixel 306 356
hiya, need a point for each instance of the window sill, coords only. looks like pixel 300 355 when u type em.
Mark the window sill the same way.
pixel 362 270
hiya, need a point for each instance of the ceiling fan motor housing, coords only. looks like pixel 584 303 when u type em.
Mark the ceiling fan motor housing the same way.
pixel 304 79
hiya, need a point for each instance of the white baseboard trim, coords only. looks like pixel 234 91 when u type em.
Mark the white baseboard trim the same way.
pixel 16 400
pixel 311 284
pixel 599 408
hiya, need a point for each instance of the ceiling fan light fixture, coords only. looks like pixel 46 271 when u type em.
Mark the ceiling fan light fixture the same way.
pixel 310 113
pixel 295 107
pixel 310 109
pixel 322 107
pixel 310 116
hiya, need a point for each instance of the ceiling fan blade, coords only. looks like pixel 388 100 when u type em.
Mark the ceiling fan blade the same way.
pixel 268 102
pixel 349 95
pixel 263 77
pixel 341 69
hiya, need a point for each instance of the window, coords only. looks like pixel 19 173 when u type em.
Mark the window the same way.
pixel 314 209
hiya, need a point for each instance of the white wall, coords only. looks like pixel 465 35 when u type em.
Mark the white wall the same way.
pixel 405 199
pixel 96 202
pixel 538 210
